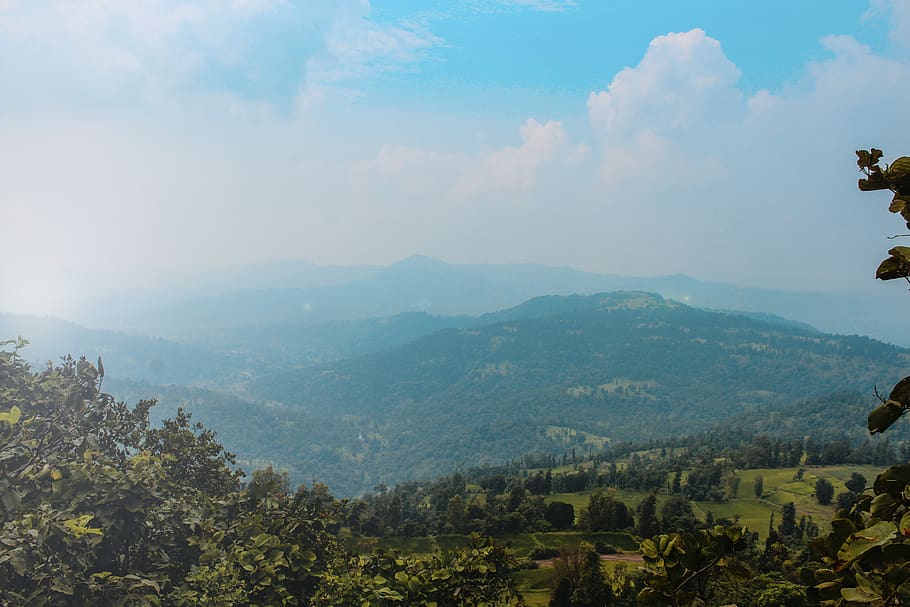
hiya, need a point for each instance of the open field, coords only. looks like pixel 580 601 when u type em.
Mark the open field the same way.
pixel 780 486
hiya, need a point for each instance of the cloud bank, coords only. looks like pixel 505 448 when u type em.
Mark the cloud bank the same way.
pixel 140 139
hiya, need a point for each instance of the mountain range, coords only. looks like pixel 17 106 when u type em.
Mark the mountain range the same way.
pixel 299 293
pixel 358 378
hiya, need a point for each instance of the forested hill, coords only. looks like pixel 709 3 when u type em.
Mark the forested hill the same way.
pixel 580 371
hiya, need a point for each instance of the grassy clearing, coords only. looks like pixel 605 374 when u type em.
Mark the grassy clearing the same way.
pixel 630 498
pixel 522 543
pixel 535 585
pixel 781 486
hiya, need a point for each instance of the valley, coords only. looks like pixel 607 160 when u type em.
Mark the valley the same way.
pixel 355 404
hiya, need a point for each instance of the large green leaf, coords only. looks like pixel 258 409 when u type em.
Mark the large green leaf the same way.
pixel 864 540
pixel 898 172
pixel 893 480
pixel 901 392
pixel 13 416
pixel 882 417
pixel 860 595
pixel 896 266
pixel 883 506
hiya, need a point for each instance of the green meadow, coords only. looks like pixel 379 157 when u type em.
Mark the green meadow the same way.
pixel 780 486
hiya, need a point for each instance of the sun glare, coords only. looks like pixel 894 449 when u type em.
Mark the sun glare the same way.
pixel 33 290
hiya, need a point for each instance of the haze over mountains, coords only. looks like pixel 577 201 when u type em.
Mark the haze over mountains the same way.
pixel 368 375
pixel 300 293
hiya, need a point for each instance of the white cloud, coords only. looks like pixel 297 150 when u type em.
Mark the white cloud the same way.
pixel 408 171
pixel 358 46
pixel 123 54
pixel 661 121
pixel 898 14
pixel 169 52
pixel 516 168
pixel 484 176
pixel 681 171
pixel 683 81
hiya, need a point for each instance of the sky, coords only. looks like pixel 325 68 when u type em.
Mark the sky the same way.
pixel 145 139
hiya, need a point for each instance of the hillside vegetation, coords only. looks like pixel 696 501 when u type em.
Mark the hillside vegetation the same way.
pixel 419 394
pixel 604 366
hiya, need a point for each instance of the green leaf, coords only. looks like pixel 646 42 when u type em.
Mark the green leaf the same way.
pixel 901 392
pixel 893 480
pixel 78 526
pixel 896 266
pixel 15 413
pixel 883 506
pixel 649 549
pixel 858 595
pixel 865 540
pixel 898 171
pixel 905 524
pixel 10 499
pixel 882 417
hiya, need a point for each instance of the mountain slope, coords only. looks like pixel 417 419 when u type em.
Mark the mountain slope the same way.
pixel 125 356
pixel 608 367
pixel 422 284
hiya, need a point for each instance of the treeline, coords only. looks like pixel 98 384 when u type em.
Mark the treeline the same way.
pixel 511 499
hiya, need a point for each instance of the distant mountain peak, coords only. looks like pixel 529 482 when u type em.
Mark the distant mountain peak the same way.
pixel 420 261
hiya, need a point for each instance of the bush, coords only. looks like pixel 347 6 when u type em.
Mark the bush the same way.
pixel 845 499
pixel 604 548
pixel 824 491
pixel 540 553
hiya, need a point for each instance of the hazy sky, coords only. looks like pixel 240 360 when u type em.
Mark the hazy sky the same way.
pixel 652 137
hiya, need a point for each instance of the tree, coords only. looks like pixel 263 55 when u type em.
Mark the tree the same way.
pixel 759 485
pixel 677 483
pixel 857 483
pixel 604 513
pixel 456 516
pixel 864 556
pixel 824 491
pixel 677 515
pixel 648 524
pixel 592 589
pixel 100 509
pixel 788 528
pixel 561 515
pixel 773 590
pixel 480 574
pixel 845 499
pixel 581 579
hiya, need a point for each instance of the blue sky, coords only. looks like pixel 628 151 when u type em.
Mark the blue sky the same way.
pixel 577 49
pixel 656 137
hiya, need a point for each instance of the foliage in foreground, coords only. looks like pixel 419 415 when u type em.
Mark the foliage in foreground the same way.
pixel 100 509
pixel 680 566
pixel 866 554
